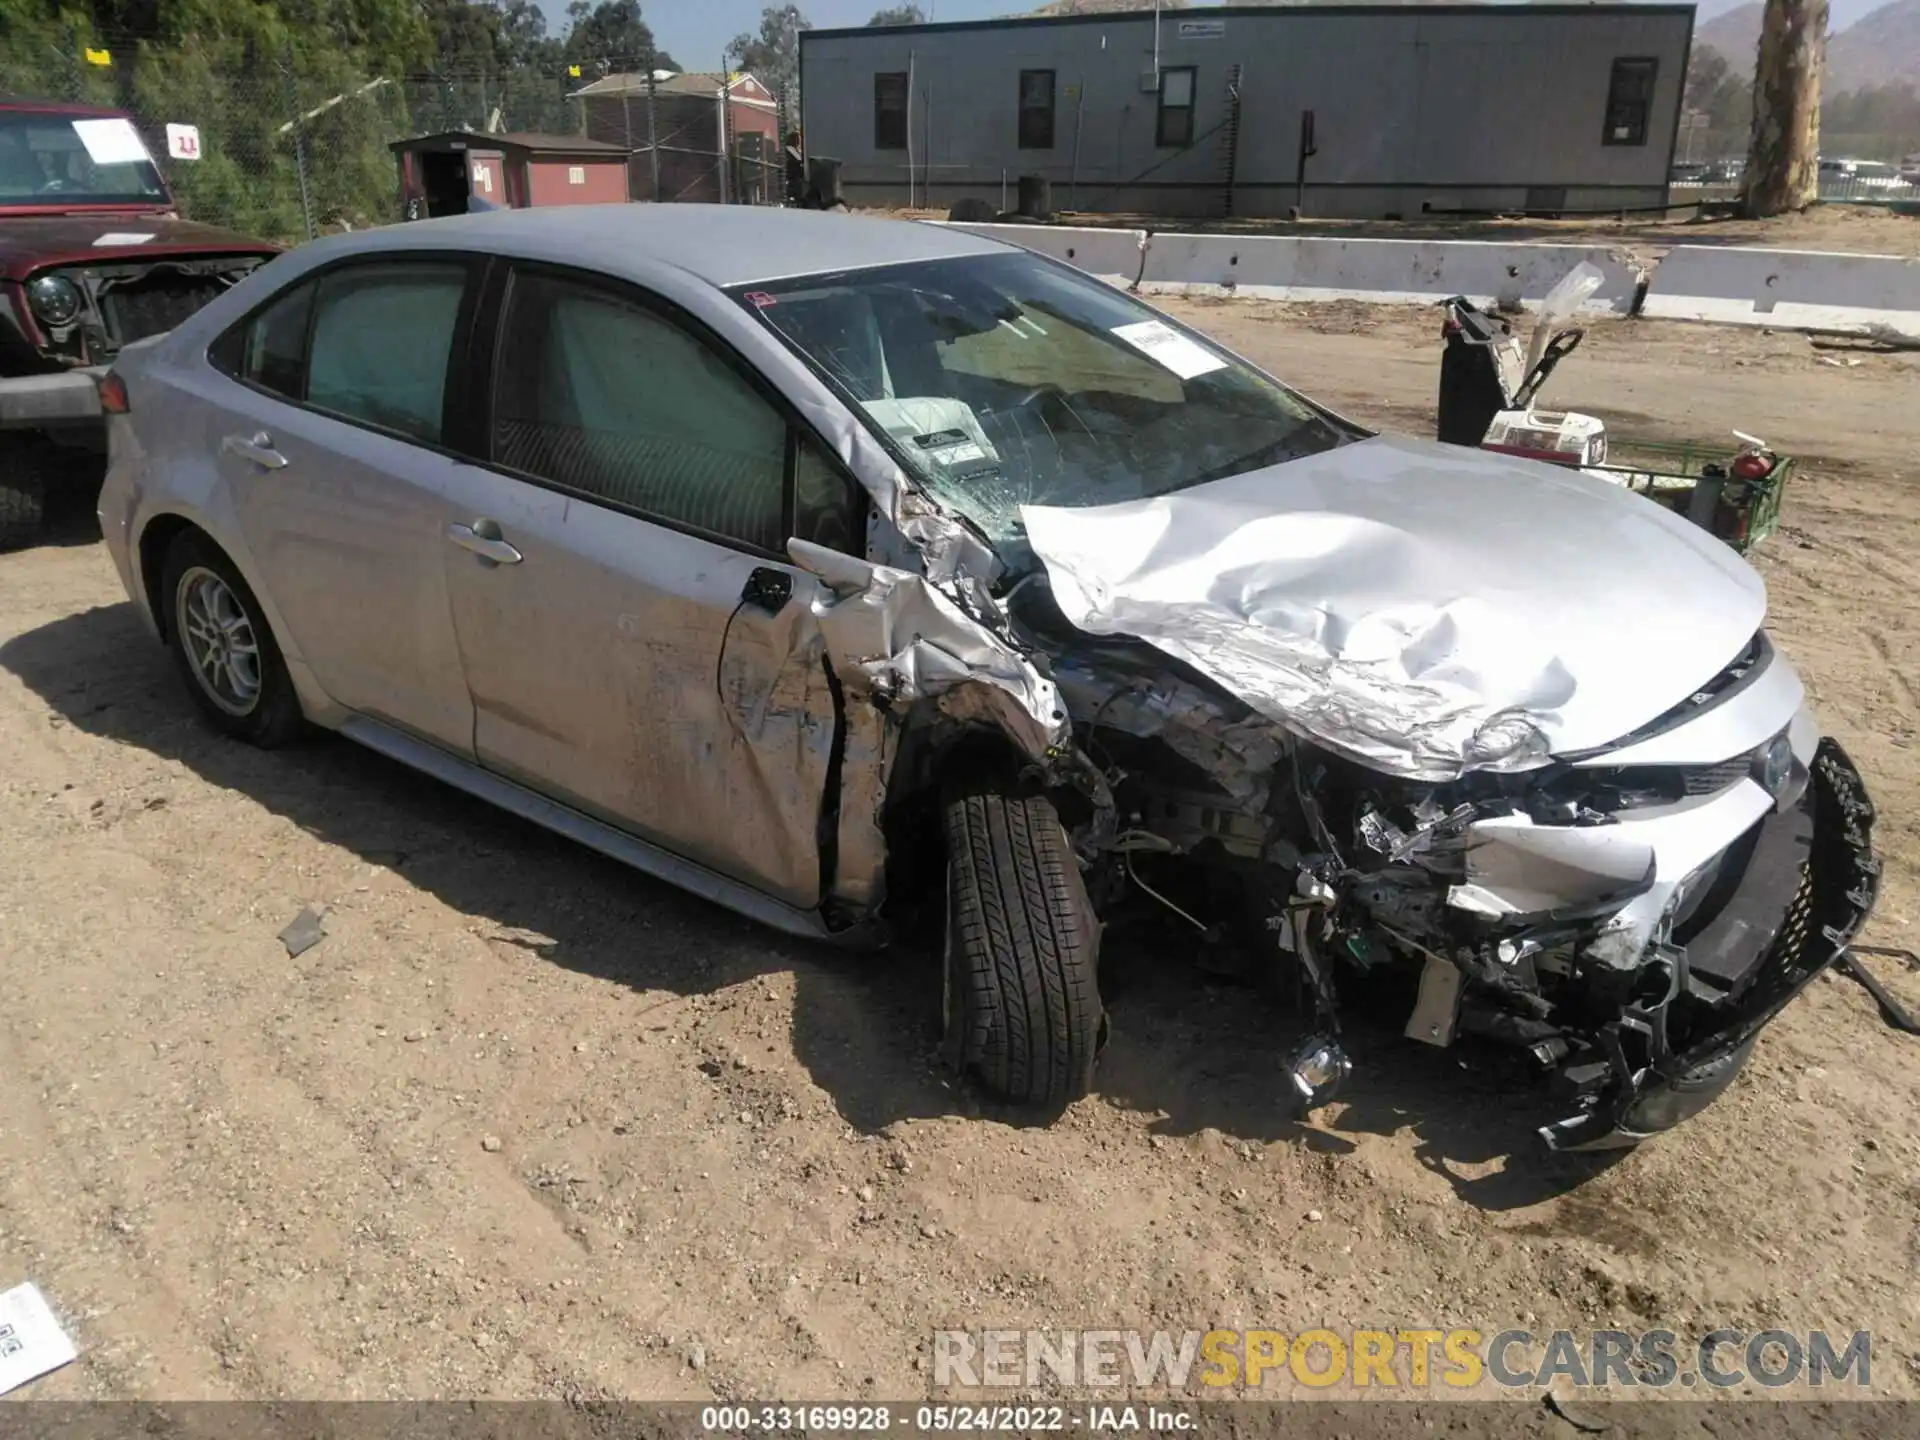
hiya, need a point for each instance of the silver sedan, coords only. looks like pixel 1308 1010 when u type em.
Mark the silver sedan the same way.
pixel 872 578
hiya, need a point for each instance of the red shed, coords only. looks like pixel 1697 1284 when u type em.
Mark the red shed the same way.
pixel 443 174
pixel 687 110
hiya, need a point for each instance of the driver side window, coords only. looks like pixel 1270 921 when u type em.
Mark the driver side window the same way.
pixel 601 395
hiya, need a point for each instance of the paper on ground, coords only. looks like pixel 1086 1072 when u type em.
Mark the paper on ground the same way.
pixel 1160 341
pixel 31 1340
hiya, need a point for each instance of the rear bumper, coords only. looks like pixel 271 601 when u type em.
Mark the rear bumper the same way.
pixel 1832 902
pixel 37 402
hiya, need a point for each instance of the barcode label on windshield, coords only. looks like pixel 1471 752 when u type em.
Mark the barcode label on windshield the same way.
pixel 1160 342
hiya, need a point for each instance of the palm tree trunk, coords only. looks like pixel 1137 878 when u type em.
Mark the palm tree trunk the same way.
pixel 1783 158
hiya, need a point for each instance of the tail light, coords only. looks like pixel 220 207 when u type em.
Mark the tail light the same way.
pixel 1753 465
pixel 113 395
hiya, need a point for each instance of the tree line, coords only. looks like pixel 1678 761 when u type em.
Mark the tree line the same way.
pixel 1874 123
pixel 298 100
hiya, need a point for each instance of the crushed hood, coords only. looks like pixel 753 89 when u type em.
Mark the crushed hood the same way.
pixel 1426 609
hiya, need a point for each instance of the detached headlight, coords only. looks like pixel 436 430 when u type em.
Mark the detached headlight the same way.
pixel 54 298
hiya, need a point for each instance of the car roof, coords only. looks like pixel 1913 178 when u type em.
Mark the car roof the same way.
pixel 720 244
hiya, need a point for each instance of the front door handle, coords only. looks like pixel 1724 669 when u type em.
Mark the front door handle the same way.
pixel 483 538
pixel 257 447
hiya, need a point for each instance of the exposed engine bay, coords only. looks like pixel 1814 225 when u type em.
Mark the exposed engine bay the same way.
pixel 1476 741
pixel 1537 910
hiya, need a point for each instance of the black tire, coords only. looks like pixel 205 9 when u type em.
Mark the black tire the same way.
pixel 23 492
pixel 1023 947
pixel 270 715
pixel 1667 1103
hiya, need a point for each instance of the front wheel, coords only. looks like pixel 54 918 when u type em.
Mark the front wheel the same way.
pixel 223 646
pixel 1022 950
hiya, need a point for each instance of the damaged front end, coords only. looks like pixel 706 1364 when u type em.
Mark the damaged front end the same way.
pixel 1627 927
pixel 1384 715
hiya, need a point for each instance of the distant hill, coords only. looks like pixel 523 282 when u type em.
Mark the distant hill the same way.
pixel 1736 35
pixel 1879 49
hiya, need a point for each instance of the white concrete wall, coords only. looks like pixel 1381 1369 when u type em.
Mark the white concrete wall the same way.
pixel 1116 256
pixel 1382 271
pixel 1787 289
pixel 1314 268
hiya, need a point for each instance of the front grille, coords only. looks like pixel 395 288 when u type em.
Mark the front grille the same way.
pixel 153 304
pixel 1712 779
pixel 1798 927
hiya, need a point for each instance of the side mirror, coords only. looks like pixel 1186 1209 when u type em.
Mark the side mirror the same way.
pixel 767 589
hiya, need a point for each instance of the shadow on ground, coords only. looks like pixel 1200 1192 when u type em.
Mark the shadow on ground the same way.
pixel 1199 1054
pixel 72 515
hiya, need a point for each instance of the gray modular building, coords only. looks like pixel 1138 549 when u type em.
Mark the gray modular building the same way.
pixel 1404 109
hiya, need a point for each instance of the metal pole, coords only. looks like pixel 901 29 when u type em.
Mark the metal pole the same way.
pixel 722 114
pixel 653 130
pixel 909 129
pixel 299 144
pixel 1079 116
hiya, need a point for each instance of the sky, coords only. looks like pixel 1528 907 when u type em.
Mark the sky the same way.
pixel 695 31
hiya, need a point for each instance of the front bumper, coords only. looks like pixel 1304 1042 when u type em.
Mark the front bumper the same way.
pixel 1835 894
pixel 38 402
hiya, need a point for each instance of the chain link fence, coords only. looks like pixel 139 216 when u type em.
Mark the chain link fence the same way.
pixel 294 144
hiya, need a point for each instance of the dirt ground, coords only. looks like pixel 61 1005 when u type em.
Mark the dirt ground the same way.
pixel 527 1124
pixel 1856 229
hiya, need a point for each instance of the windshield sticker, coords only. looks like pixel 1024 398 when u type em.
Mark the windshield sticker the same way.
pixel 122 237
pixel 112 141
pixel 950 447
pixel 1160 342
pixel 760 300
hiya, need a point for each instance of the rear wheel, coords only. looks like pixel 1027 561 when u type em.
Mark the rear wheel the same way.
pixel 23 491
pixel 223 646
pixel 1022 950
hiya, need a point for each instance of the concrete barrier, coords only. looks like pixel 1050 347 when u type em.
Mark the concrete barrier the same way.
pixel 1420 272
pixel 1787 289
pixel 1112 255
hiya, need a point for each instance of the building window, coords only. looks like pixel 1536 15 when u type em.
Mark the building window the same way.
pixel 1036 109
pixel 890 110
pixel 1630 101
pixel 1175 123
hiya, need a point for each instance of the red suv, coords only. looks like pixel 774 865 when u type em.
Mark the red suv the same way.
pixel 93 256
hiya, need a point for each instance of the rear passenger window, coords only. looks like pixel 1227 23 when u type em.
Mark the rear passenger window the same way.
pixel 599 395
pixel 368 343
pixel 270 349
pixel 381 338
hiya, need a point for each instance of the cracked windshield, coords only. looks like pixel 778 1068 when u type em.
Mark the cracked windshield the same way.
pixel 1003 381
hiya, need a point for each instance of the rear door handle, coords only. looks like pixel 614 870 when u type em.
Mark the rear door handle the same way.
pixel 257 447
pixel 483 538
